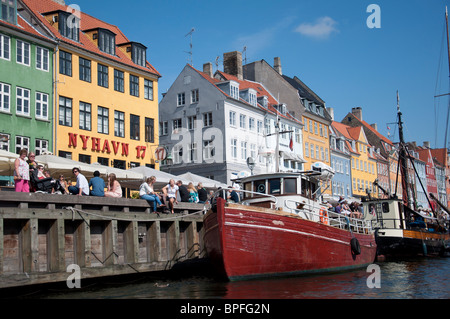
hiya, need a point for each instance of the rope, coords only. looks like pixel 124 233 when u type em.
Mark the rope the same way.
pixel 79 211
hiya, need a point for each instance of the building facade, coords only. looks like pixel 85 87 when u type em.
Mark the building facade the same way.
pixel 211 124
pixel 341 162
pixel 26 82
pixel 106 99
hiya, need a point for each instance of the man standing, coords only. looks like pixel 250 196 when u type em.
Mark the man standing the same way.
pixel 82 186
pixel 202 194
pixel 98 185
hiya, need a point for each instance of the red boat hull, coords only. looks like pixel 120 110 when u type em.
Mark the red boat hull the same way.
pixel 248 242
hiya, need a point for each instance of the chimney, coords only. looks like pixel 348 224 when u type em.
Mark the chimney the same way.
pixel 208 69
pixel 277 65
pixel 232 64
pixel 414 144
pixel 357 111
pixel 426 144
pixel 331 112
pixel 375 126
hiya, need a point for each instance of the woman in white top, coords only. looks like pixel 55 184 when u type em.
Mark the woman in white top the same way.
pixel 170 192
pixel 146 192
pixel 22 173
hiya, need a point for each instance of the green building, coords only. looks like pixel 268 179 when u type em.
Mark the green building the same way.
pixel 26 82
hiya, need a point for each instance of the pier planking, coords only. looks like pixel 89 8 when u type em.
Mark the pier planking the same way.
pixel 42 234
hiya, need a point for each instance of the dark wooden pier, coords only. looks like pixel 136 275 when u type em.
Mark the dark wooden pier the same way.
pixel 41 235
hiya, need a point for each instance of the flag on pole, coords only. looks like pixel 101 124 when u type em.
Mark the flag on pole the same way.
pixel 291 144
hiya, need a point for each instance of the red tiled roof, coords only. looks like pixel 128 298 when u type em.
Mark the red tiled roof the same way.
pixel 24 26
pixel 367 125
pixel 40 7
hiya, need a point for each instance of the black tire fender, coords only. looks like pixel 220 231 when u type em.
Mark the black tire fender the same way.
pixel 354 244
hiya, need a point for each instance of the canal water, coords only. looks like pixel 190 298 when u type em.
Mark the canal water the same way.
pixel 412 279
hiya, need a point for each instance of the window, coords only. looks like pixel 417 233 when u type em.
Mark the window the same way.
pixel 138 54
pixel 192 152
pixel 192 122
pixel 317 152
pixel 102 75
pixel 194 96
pixel 134 85
pixel 251 124
pixel 69 26
pixel 312 150
pixel 65 111
pixel 148 89
pixel 102 120
pixel 119 124
pixel 41 106
pixel 207 119
pixel 315 128
pixel 164 128
pixel 5 47
pixel 22 143
pixel 5 90
pixel 177 154
pixel 85 116
pixel 85 70
pixel 234 148
pixel 65 63
pixel 107 41
pixel 42 59
pixel 176 125
pixel 259 125
pixel 181 99
pixel 307 149
pixel 149 130
pixel 65 154
pixel 134 127
pixel 290 186
pixel 119 79
pixel 234 91
pixel 208 150
pixel 22 101
pixel 8 11
pixel 242 121
pixel 84 158
pixel 311 126
pixel 232 118
pixel 4 142
pixel 244 150
pixel 23 52
pixel 103 161
pixel 40 146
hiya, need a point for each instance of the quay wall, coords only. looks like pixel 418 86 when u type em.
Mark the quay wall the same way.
pixel 42 234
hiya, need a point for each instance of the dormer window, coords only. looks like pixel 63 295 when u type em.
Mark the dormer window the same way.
pixel 8 11
pixel 264 101
pixel 234 90
pixel 252 97
pixel 139 54
pixel 69 26
pixel 107 41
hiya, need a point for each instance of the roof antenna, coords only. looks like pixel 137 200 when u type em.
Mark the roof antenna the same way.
pixel 245 54
pixel 190 52
pixel 217 62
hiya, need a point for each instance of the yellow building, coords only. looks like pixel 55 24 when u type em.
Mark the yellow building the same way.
pixel 363 160
pixel 106 99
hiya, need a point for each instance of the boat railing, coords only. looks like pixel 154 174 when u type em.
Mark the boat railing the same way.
pixel 322 214
pixel 262 197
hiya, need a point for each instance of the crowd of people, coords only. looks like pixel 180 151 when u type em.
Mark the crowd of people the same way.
pixel 353 210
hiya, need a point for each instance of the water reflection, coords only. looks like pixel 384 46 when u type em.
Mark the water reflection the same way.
pixel 424 278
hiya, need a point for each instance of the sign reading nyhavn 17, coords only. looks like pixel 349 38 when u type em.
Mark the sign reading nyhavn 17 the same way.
pixel 105 146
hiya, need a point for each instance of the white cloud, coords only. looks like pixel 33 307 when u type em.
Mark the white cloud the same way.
pixel 321 29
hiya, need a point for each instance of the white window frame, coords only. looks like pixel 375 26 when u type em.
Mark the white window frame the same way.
pixel 5 143
pixel 3 39
pixel 232 118
pixel 194 96
pixel 41 106
pixel 207 119
pixel 192 152
pixel 40 148
pixel 181 99
pixel 22 145
pixel 192 122
pixel 25 47
pixel 244 150
pixel 24 101
pixel 44 59
pixel 234 148
pixel 5 96
pixel 243 121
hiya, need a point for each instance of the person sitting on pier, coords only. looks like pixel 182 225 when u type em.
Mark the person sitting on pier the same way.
pixel 98 185
pixel 114 188
pixel 193 195
pixel 202 194
pixel 82 186
pixel 147 192
pixel 170 192
pixel 183 191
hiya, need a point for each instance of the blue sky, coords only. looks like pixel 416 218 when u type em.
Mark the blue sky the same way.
pixel 326 43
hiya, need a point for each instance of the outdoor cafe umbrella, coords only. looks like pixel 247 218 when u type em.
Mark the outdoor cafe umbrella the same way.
pixel 7 160
pixel 162 178
pixel 207 182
